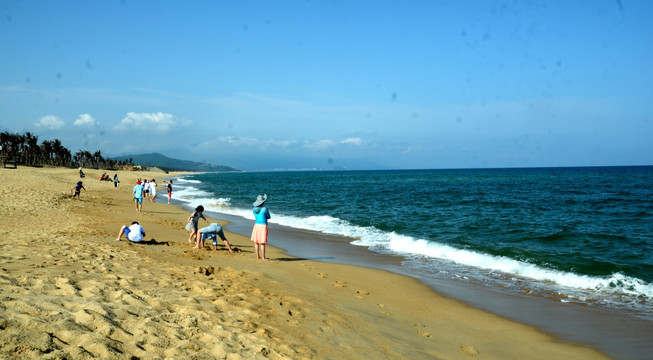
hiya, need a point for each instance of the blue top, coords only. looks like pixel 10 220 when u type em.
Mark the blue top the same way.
pixel 262 215
pixel 138 191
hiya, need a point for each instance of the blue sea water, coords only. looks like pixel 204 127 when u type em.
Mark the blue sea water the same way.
pixel 575 234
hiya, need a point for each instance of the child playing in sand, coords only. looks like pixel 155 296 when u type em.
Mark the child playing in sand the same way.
pixel 212 231
pixel 134 233
pixel 192 224
pixel 260 230
pixel 77 190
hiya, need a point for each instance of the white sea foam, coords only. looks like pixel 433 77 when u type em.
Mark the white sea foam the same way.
pixel 187 181
pixel 393 243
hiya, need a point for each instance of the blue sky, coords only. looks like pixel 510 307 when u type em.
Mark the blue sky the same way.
pixel 321 84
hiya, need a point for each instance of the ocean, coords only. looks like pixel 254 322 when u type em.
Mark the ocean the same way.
pixel 568 235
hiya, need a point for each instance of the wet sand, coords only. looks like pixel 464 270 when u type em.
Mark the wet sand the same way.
pixel 619 334
pixel 70 290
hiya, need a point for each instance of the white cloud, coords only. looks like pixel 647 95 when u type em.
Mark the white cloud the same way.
pixel 157 122
pixel 50 121
pixel 353 141
pixel 320 145
pixel 85 120
pixel 247 142
pixel 284 143
pixel 232 140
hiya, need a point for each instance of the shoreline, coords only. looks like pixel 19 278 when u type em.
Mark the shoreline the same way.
pixel 71 290
pixel 570 322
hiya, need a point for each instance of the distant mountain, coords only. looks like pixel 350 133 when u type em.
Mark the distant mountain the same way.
pixel 168 164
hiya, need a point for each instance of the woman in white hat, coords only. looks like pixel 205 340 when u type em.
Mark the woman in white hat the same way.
pixel 260 231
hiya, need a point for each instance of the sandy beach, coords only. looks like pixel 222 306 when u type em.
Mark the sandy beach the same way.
pixel 70 290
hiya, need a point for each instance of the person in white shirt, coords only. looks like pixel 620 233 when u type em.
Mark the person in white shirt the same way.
pixel 134 233
pixel 152 190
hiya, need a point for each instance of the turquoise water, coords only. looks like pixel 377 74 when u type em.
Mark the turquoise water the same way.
pixel 580 234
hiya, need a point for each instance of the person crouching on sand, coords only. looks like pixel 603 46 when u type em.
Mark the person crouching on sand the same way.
pixel 134 233
pixel 260 230
pixel 212 231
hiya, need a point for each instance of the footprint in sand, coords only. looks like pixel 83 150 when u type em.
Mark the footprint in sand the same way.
pixel 470 350
pixel 422 332
pixel 325 329
pixel 360 294
pixel 340 283
pixel 306 267
pixel 321 276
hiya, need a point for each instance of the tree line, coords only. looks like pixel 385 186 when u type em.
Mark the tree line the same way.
pixel 25 150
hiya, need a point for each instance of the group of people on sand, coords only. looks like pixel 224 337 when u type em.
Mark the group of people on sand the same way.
pixel 116 181
pixel 198 236
pixel 259 237
pixel 145 188
pixel 77 189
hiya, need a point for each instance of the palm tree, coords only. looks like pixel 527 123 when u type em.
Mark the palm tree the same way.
pixel 83 158
pixel 98 160
pixel 61 154
pixel 46 152
pixel 32 149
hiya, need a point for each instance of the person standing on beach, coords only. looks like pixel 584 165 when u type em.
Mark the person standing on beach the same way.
pixel 116 182
pixel 260 230
pixel 134 233
pixel 211 232
pixel 77 190
pixel 138 196
pixel 169 187
pixel 192 223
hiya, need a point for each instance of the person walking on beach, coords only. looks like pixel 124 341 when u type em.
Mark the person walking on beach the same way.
pixel 77 189
pixel 260 230
pixel 169 187
pixel 193 222
pixel 116 182
pixel 152 190
pixel 134 233
pixel 146 189
pixel 211 232
pixel 138 196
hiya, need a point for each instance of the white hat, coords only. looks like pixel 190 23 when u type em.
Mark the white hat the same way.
pixel 260 200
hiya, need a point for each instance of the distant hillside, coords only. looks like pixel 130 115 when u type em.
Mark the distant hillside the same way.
pixel 167 164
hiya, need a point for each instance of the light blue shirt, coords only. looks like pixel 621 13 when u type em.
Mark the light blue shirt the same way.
pixel 138 191
pixel 262 215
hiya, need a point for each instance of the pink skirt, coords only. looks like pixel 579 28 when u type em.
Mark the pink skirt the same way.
pixel 260 234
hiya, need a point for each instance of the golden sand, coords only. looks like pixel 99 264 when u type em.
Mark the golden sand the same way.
pixel 69 290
